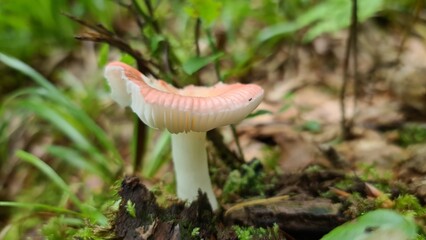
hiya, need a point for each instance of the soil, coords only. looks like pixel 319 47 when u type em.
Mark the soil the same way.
pixel 297 203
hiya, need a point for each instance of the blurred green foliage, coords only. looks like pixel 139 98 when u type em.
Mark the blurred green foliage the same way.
pixel 413 133
pixel 31 28
pixel 324 17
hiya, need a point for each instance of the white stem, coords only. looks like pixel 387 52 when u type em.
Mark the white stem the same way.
pixel 190 164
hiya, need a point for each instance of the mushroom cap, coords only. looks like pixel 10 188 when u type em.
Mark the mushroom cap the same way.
pixel 193 108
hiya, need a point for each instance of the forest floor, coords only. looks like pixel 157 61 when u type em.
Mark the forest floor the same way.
pixel 312 179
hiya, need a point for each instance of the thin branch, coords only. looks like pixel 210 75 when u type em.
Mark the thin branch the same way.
pixel 151 14
pixel 343 124
pixel 354 29
pixel 225 154
pixel 197 30
pixel 346 125
pixel 168 63
pixel 215 50
pixel 237 142
pixel 100 34
pixel 197 33
pixel 99 28
pixel 140 134
pixel 136 14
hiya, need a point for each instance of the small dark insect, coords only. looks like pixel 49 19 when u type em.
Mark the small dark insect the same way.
pixel 370 229
pixel 250 99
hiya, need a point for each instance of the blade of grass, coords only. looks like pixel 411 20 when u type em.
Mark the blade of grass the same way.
pixel 50 173
pixel 30 72
pixel 45 111
pixel 37 207
pixel 75 159
pixel 67 124
pixel 87 211
pixel 159 155
pixel 57 96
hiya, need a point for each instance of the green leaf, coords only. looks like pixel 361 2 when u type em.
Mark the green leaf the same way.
pixel 381 224
pixel 127 59
pixel 207 10
pixel 194 64
pixel 279 29
pixel 258 113
pixel 288 102
pixel 312 126
pixel 103 55
pixel 155 41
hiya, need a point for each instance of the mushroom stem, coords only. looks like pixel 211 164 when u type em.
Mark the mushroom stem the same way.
pixel 190 163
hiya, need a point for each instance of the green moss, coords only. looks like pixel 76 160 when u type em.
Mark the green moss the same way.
pixel 271 157
pixel 195 232
pixel 314 169
pixel 369 172
pixel 345 183
pixel 249 180
pixel 88 233
pixel 359 205
pixel 249 233
pixel 409 204
pixel 130 207
pixel 411 134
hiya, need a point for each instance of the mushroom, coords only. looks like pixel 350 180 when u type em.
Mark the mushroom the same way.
pixel 187 113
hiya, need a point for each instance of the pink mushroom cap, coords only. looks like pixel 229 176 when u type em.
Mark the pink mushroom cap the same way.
pixel 192 108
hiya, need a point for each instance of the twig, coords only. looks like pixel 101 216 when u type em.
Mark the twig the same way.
pixel 346 126
pixel 215 50
pixel 168 63
pixel 237 142
pixel 140 133
pixel 197 30
pixel 197 36
pixel 100 34
pixel 151 14
pixel 225 154
pixel 354 29
pixel 136 14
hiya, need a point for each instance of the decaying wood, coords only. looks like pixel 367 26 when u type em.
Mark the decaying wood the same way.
pixel 154 222
pixel 315 215
pixel 146 209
